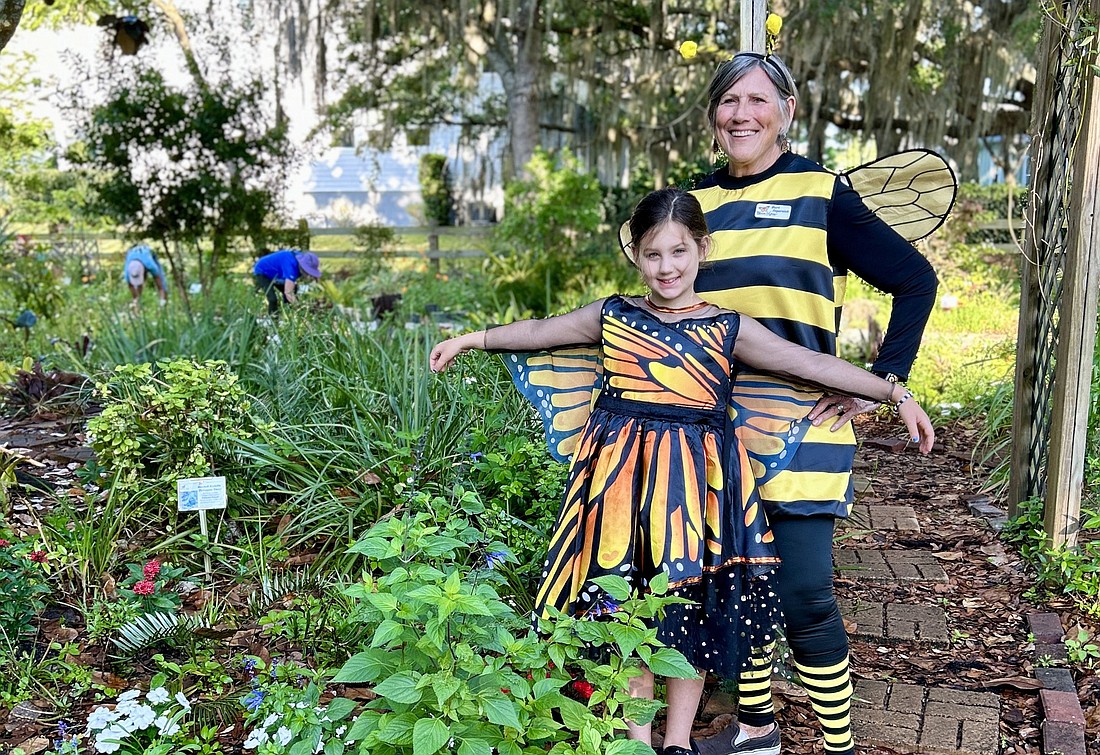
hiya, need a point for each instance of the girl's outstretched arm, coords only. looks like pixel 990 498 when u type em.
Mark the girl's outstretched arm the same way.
pixel 758 347
pixel 581 326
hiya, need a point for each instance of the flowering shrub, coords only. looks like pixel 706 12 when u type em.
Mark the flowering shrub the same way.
pixel 22 583
pixel 178 419
pixel 156 725
pixel 149 586
pixel 286 714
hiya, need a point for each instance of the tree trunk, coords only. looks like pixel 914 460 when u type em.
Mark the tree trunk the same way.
pixel 10 13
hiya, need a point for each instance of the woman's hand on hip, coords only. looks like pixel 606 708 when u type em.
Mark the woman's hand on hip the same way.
pixel 842 409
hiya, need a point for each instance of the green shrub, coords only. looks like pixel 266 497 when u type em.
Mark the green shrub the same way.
pixel 435 189
pixel 22 583
pixel 174 420
pixel 549 234
pixel 451 662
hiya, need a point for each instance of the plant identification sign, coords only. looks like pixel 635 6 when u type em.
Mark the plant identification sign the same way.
pixel 200 493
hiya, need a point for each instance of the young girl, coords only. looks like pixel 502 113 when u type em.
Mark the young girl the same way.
pixel 658 480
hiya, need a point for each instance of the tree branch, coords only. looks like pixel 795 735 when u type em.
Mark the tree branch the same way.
pixel 11 11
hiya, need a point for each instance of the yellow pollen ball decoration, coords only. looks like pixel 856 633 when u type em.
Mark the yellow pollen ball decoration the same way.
pixel 773 24
pixel 688 49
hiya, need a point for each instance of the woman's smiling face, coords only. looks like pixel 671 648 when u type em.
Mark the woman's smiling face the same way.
pixel 747 123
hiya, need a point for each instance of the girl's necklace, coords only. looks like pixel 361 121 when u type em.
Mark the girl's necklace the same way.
pixel 675 310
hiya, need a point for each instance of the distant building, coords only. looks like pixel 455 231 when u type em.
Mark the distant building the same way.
pixel 352 184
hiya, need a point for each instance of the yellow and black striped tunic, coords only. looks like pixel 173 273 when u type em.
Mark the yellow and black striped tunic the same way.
pixel 773 258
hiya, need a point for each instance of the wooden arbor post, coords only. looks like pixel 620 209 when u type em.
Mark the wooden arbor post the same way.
pixel 753 15
pixel 1076 327
pixel 1058 304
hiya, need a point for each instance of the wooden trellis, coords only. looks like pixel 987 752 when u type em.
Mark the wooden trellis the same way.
pixel 1058 303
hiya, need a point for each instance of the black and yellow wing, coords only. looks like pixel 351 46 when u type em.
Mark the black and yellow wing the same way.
pixel 913 191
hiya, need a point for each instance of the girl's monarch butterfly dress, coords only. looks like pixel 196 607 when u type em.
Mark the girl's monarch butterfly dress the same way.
pixel 659 482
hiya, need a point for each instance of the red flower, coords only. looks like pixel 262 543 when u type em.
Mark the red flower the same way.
pixel 39 557
pixel 144 587
pixel 583 688
pixel 151 569
pixel 4 543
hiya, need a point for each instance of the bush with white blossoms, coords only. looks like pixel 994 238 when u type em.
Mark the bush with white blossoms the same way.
pixel 289 718
pixel 150 724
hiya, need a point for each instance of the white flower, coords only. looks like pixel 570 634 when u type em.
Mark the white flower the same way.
pixel 141 717
pixel 340 731
pixel 271 719
pixel 110 739
pixel 255 739
pixel 166 727
pixel 283 736
pixel 158 695
pixel 182 700
pixel 100 717
pixel 127 701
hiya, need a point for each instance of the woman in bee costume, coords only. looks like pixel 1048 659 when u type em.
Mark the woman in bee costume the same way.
pixel 786 232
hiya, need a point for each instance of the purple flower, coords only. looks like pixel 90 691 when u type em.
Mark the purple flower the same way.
pixel 253 700
pixel 495 559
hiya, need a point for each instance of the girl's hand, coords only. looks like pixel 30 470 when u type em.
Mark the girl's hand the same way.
pixel 918 424
pixel 444 353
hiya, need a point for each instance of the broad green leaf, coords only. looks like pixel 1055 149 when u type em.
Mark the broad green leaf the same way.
pixel 658 584
pixel 427 593
pixel 543 686
pixel 669 662
pixel 383 601
pixel 474 747
pixel 401 688
pixel 472 605
pixel 339 708
pixel 615 586
pixel 628 747
pixel 501 711
pixel 429 734
pixel 367 666
pixel 334 747
pixel 641 710
pixel 388 631
pixel 445 686
pixel 574 714
pixel 627 638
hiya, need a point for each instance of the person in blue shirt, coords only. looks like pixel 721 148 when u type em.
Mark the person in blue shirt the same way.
pixel 278 273
pixel 141 262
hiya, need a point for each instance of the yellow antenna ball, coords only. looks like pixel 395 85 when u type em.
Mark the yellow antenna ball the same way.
pixel 688 49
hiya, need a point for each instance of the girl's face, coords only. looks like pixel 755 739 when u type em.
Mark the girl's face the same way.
pixel 747 123
pixel 668 258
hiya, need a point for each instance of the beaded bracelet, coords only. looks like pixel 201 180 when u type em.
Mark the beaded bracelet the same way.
pixel 904 397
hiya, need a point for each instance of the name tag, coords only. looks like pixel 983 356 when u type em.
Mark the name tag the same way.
pixel 773 211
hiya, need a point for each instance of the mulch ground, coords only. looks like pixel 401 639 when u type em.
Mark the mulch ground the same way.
pixel 984 598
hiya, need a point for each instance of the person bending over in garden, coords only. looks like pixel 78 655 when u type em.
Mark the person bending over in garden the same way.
pixel 277 274
pixel 140 263
pixel 786 231
pixel 659 481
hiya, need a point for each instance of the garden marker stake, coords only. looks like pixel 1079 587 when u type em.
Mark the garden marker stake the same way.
pixel 200 494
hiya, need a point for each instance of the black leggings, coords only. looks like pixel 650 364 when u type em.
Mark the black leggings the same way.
pixel 815 631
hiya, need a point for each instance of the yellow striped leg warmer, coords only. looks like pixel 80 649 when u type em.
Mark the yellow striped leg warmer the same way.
pixel 754 690
pixel 830 692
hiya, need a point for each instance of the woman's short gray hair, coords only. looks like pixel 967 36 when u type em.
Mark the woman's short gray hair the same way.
pixel 736 68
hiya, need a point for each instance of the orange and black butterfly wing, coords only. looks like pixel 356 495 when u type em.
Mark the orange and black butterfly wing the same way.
pixel 769 420
pixel 561 384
